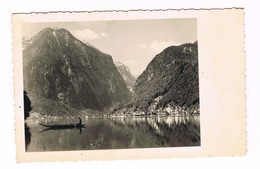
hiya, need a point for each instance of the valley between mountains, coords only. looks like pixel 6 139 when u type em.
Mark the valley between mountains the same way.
pixel 64 76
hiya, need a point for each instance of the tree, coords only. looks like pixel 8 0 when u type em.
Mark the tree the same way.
pixel 27 105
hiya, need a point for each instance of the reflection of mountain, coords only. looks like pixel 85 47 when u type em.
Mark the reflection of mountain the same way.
pixel 27 136
pixel 121 133
pixel 165 131
pixel 61 72
pixel 126 74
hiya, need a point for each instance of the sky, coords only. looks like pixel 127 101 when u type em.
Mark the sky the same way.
pixel 132 42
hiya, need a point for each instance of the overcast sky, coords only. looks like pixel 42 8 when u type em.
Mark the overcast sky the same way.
pixel 134 42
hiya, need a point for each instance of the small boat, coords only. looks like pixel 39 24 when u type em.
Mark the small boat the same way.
pixel 79 125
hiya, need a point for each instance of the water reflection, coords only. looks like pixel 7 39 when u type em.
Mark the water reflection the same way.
pixel 117 133
pixel 27 136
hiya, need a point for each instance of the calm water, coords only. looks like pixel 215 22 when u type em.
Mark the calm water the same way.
pixel 115 133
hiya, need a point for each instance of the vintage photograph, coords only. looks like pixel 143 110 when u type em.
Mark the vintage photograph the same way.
pixel 117 84
pixel 111 85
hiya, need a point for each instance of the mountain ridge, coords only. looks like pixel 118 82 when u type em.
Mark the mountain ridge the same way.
pixel 59 67
pixel 170 83
pixel 127 75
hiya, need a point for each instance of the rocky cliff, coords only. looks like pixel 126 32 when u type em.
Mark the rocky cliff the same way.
pixel 62 70
pixel 127 75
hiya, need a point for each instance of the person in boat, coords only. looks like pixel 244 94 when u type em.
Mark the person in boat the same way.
pixel 80 123
pixel 65 126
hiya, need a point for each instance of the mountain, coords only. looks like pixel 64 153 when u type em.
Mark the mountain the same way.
pixel 169 84
pixel 126 74
pixel 26 42
pixel 63 74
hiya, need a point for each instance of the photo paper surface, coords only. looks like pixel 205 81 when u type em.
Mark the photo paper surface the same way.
pixel 129 84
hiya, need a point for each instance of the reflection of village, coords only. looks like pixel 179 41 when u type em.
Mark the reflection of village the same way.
pixel 169 115
pixel 102 132
pixel 157 122
pixel 154 110
pixel 169 119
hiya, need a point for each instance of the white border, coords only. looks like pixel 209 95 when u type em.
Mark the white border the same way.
pixel 253 60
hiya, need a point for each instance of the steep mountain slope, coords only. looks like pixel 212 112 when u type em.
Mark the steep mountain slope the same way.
pixel 126 74
pixel 60 69
pixel 26 42
pixel 169 83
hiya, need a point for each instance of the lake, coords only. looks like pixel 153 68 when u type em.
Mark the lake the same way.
pixel 114 133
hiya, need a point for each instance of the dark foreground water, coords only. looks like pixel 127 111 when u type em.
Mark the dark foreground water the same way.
pixel 114 133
